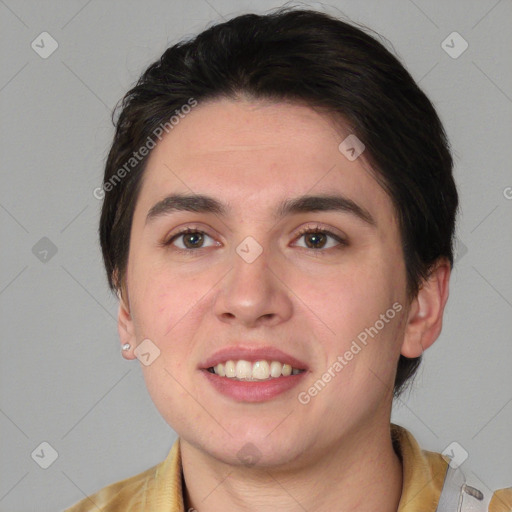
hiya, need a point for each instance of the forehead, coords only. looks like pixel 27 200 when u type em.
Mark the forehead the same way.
pixel 226 132
pixel 256 154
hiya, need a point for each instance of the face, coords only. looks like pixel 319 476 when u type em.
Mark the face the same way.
pixel 261 276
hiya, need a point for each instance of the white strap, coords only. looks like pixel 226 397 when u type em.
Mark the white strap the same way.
pixel 457 496
pixel 450 499
pixel 475 500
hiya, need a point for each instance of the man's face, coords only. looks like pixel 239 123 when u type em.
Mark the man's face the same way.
pixel 250 280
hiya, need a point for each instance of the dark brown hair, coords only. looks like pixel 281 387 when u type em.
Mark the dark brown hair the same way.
pixel 306 57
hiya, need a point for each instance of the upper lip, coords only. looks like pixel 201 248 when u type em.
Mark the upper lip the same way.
pixel 252 354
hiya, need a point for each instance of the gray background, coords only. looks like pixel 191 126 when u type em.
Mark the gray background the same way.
pixel 63 379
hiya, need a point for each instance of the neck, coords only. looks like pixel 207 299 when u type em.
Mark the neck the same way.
pixel 361 473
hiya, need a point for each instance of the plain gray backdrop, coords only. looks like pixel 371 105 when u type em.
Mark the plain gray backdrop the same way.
pixel 63 380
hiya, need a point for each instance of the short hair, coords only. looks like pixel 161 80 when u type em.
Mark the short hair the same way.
pixel 310 58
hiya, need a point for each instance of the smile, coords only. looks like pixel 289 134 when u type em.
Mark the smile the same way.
pixel 258 371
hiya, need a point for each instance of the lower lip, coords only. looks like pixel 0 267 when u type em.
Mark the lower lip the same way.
pixel 253 391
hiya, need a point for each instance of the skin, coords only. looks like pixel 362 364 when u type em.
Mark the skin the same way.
pixel 335 452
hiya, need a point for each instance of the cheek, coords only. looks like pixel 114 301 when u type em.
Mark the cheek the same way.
pixel 166 311
pixel 349 298
pixel 170 394
pixel 357 310
pixel 165 297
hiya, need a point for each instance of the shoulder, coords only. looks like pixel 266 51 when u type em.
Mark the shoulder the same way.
pixel 501 501
pixel 431 483
pixel 126 495
pixel 154 488
pixel 474 496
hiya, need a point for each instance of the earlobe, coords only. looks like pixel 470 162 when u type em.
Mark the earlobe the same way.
pixel 125 329
pixel 425 319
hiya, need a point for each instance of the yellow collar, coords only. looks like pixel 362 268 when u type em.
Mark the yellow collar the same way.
pixel 423 473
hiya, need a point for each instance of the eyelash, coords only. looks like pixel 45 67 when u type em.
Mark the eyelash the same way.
pixel 317 229
pixel 302 232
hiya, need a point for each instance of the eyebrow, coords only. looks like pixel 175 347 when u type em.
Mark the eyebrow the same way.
pixel 200 203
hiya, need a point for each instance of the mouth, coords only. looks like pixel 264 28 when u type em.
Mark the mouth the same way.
pixel 258 371
pixel 252 374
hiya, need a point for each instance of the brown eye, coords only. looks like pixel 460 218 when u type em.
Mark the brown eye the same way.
pixel 189 239
pixel 317 238
pixel 193 240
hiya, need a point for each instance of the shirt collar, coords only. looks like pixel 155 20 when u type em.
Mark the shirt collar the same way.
pixel 423 473
pixel 167 493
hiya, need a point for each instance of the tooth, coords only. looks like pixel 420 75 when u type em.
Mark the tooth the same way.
pixel 260 370
pixel 230 369
pixel 243 369
pixel 219 370
pixel 275 369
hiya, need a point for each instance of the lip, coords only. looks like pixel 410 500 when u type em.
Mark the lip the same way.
pixel 252 391
pixel 252 354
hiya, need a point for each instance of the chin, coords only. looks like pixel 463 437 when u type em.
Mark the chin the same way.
pixel 249 455
pixel 254 448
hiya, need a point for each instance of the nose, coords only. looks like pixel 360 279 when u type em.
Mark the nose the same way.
pixel 253 293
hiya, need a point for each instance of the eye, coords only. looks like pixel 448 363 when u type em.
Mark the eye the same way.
pixel 192 239
pixel 317 238
pixel 189 239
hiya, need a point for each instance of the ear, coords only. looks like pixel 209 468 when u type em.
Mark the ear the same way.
pixel 425 319
pixel 125 328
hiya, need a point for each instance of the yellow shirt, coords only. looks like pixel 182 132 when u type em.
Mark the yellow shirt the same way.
pixel 159 489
